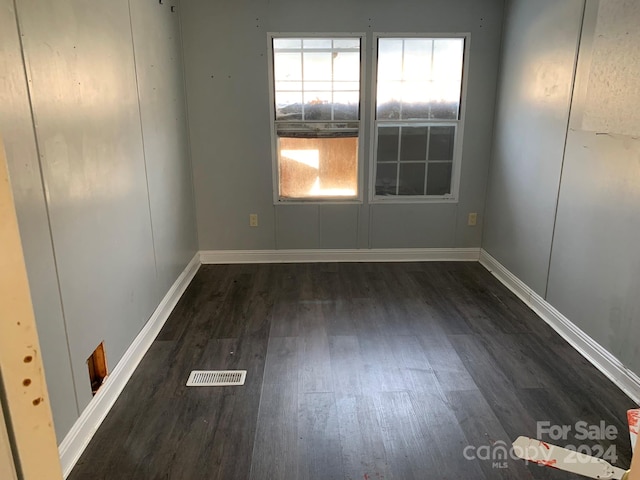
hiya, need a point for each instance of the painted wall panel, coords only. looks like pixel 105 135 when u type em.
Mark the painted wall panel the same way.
pixel 595 269
pixel 298 226
pixel 339 226
pixel 16 130
pixel 420 226
pixel 225 44
pixel 595 265
pixel 87 219
pixel 614 71
pixel 225 50
pixel 159 68
pixel 538 60
pixel 79 57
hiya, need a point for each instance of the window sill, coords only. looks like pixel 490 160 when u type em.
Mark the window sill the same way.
pixel 411 200
pixel 319 201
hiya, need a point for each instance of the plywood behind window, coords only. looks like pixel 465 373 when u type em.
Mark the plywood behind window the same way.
pixel 324 167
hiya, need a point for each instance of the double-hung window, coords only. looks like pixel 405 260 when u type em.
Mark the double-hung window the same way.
pixel 417 126
pixel 316 116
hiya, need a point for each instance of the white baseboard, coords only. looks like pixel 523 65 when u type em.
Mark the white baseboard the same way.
pixel 85 427
pixel 601 358
pixel 335 255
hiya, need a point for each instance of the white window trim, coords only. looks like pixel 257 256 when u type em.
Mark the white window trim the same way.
pixel 277 200
pixel 453 197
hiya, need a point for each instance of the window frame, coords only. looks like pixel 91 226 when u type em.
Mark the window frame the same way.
pixel 453 197
pixel 360 163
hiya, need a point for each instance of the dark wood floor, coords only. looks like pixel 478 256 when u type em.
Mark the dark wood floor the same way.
pixel 355 371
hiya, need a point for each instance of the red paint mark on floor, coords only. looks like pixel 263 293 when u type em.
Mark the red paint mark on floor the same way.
pixel 547 463
pixel 545 445
pixel 366 476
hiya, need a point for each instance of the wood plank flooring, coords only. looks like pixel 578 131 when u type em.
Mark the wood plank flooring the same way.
pixel 355 372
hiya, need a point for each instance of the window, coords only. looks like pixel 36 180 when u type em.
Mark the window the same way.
pixel 316 117
pixel 417 118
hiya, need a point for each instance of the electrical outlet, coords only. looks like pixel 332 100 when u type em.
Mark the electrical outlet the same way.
pixel 253 219
pixel 473 219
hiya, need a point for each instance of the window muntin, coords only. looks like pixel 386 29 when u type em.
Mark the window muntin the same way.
pixel 419 78
pixel 316 85
pixel 317 79
pixel 418 105
pixel 414 159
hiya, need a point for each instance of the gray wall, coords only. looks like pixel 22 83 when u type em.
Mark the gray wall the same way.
pixel 16 128
pixel 536 77
pixel 594 277
pixel 106 214
pixel 588 266
pixel 225 45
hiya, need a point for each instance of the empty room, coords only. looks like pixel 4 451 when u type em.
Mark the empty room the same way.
pixel 354 240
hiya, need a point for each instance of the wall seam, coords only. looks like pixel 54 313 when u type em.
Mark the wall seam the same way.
pixel 45 192
pixel 505 10
pixel 320 242
pixel 144 150
pixel 564 150
pixel 456 208
pixel 358 210
pixel 369 239
pixel 188 122
pixel 275 230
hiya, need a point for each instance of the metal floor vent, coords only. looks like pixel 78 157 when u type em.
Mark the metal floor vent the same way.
pixel 216 378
